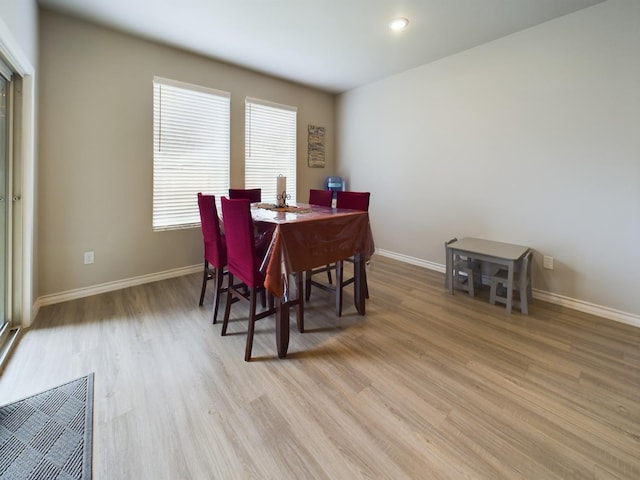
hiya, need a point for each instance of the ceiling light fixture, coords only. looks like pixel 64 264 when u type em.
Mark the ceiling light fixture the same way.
pixel 398 24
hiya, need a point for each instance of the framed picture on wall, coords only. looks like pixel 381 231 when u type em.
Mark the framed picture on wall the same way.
pixel 316 147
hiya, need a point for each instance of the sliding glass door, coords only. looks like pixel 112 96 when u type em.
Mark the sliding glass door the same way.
pixel 5 152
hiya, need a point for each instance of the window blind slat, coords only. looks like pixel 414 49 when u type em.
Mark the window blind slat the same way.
pixel 190 150
pixel 270 147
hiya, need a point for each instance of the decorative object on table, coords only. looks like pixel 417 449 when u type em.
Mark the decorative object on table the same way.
pixel 281 191
pixel 286 208
pixel 49 435
pixel 316 146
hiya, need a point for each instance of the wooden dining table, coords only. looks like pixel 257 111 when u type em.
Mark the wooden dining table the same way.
pixel 304 237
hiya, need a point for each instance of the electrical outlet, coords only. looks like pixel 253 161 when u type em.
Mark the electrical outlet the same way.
pixel 88 258
pixel 547 262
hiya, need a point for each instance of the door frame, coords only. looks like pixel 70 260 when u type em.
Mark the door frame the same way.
pixel 23 308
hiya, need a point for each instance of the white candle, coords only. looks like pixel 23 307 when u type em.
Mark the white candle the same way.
pixel 281 190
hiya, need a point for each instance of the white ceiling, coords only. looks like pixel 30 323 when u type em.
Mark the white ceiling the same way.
pixel 333 45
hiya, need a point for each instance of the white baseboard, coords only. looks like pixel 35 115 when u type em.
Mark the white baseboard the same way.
pixel 575 304
pixel 412 260
pixel 111 286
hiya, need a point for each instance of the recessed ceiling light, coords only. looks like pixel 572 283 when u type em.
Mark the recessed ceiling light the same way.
pixel 398 24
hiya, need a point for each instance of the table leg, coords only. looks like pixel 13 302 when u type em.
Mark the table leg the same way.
pixel 510 286
pixel 359 289
pixel 524 299
pixel 448 276
pixel 282 327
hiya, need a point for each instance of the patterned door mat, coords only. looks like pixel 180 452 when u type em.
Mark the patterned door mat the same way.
pixel 49 435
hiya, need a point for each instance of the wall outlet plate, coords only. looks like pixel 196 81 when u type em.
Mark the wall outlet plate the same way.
pixel 88 258
pixel 547 262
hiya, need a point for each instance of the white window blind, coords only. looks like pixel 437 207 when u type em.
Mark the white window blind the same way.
pixel 190 150
pixel 270 147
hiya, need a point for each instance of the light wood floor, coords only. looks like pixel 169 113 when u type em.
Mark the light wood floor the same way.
pixel 425 386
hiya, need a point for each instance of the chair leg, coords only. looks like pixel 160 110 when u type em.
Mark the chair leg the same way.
pixel 307 285
pixel 263 298
pixel 227 309
pixel 205 277
pixel 219 277
pixel 252 325
pixel 339 276
pixel 366 285
pixel 300 312
pixel 492 292
pixel 329 273
pixel 524 301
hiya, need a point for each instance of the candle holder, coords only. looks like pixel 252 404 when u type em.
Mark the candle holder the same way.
pixel 282 199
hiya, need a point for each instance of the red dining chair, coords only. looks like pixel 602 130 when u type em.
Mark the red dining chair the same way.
pixel 215 249
pixel 243 263
pixel 254 195
pixel 352 201
pixel 322 198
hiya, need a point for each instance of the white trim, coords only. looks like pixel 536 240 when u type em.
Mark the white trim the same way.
pixel 267 103
pixel 575 304
pixel 16 59
pixel 191 86
pixel 586 307
pixel 115 285
pixel 12 52
pixel 412 260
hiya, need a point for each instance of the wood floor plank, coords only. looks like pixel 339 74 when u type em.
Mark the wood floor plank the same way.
pixel 426 385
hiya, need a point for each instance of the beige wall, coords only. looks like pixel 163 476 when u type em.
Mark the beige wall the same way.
pixel 532 139
pixel 96 155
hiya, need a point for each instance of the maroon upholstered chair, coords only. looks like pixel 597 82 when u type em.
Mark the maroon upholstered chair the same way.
pixel 215 249
pixel 254 195
pixel 353 201
pixel 243 264
pixel 323 198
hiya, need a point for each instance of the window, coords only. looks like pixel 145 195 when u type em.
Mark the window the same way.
pixel 270 147
pixel 190 150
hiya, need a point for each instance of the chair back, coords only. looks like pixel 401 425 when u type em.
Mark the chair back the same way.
pixel 526 264
pixel 353 200
pixel 322 198
pixel 241 249
pixel 215 251
pixel 254 195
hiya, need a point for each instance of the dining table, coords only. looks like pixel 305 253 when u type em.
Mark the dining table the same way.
pixel 303 237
